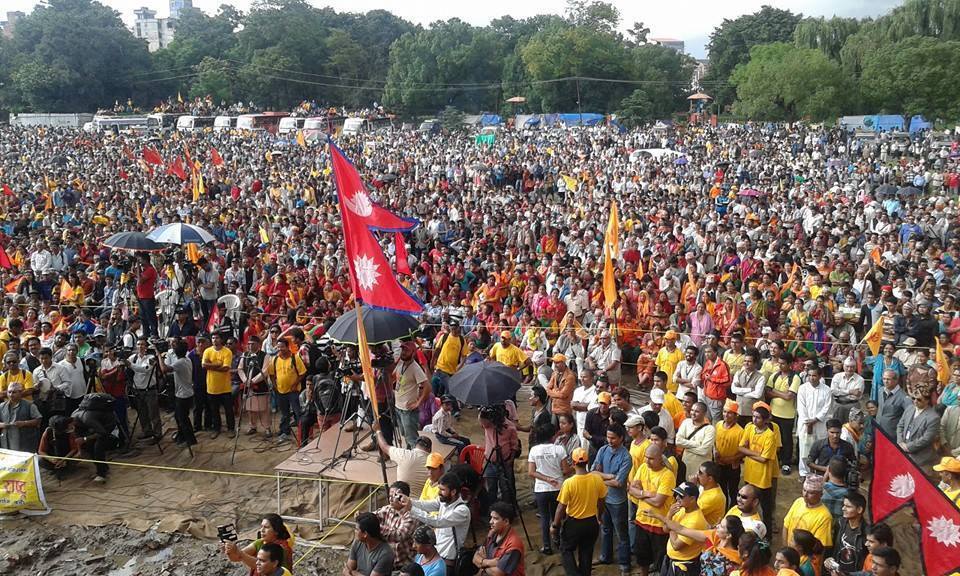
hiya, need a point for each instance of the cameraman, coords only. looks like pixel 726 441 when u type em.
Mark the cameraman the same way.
pixel 257 390
pixel 145 384
pixel 113 378
pixel 314 402
pixel 146 290
pixel 175 362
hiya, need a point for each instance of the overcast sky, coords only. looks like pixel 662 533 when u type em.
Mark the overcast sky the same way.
pixel 688 20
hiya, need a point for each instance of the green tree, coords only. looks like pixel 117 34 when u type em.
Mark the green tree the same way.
pixel 915 76
pixel 783 82
pixel 730 45
pixel 594 14
pixel 74 55
pixel 825 35
pixel 216 78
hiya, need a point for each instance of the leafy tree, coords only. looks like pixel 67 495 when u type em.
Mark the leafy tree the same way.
pixel 594 14
pixel 828 36
pixel 915 76
pixel 452 119
pixel 730 44
pixel 638 34
pixel 783 82
pixel 216 78
pixel 72 55
pixel 666 75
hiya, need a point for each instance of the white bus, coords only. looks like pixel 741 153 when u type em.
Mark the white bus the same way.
pixel 224 123
pixel 289 125
pixel 188 123
pixel 118 124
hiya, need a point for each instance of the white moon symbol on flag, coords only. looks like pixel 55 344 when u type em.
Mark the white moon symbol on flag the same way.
pixel 359 204
pixel 902 486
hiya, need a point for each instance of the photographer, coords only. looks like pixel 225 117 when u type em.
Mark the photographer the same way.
pixel 397 524
pixel 268 562
pixel 319 399
pixel 287 372
pixel 256 388
pixel 175 362
pixel 113 379
pixel 145 386
pixel 501 446
pixel 146 291
pixel 47 378
pixel 73 385
pixel 273 532
pixel 825 449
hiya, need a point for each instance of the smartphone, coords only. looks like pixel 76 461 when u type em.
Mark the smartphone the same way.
pixel 227 533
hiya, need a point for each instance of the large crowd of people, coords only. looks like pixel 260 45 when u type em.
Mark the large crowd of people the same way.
pixel 753 260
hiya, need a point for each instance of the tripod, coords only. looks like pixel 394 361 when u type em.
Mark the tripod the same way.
pixel 247 394
pixel 510 480
pixel 151 377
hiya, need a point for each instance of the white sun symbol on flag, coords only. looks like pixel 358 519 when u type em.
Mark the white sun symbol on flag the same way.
pixel 360 204
pixel 902 486
pixel 944 531
pixel 367 271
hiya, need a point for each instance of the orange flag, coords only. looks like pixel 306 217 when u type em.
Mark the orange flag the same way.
pixel 874 336
pixel 639 273
pixel 139 216
pixel 215 157
pixel 66 291
pixel 943 366
pixel 364 351
pixel 611 249
pixel 193 254
pixel 875 255
pixel 12 286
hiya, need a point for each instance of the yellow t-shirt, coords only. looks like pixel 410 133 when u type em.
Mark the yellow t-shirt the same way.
pixel 765 444
pixel 288 372
pixel 638 453
pixel 430 490
pixel 734 361
pixel 23 377
pixel 453 351
pixel 712 502
pixel 580 493
pixel 727 440
pixel 672 404
pixel 661 481
pixel 734 511
pixel 218 382
pixel 817 520
pixel 781 383
pixel 953 496
pixel 511 356
pixel 693 520
pixel 667 361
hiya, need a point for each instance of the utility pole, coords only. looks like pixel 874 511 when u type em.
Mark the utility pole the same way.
pixel 579 106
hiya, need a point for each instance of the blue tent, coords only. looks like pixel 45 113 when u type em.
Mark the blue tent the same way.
pixel 490 120
pixel 917 123
pixel 585 119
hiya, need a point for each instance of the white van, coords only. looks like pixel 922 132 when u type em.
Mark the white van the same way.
pixel 290 125
pixel 189 123
pixel 354 126
pixel 224 123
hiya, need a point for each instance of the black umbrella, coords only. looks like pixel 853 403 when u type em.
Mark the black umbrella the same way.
pixel 886 190
pixel 485 383
pixel 380 325
pixel 908 191
pixel 133 241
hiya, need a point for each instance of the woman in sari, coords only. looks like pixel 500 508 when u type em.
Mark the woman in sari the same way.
pixel 699 323
pixel 726 320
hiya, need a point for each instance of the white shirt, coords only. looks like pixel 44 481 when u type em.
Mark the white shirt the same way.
pixel 814 403
pixel 72 383
pixel 844 387
pixel 546 459
pixel 46 379
pixel 666 422
pixel 604 356
pixel 589 397
pixel 142 367
pixel 449 518
pixel 688 371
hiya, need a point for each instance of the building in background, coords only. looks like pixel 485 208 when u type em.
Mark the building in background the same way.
pixel 7 26
pixel 157 32
pixel 177 6
pixel 699 72
pixel 677 45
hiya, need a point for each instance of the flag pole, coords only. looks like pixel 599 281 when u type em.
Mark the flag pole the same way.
pixel 363 350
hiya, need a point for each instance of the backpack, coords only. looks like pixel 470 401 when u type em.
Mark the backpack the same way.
pixel 314 355
pixel 97 402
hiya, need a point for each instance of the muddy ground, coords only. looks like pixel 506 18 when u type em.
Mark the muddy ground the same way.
pixel 162 521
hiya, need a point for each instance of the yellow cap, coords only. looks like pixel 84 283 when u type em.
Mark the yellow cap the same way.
pixel 434 460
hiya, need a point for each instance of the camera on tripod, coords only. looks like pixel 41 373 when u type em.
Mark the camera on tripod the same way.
pixel 852 479
pixel 121 352
pixel 158 345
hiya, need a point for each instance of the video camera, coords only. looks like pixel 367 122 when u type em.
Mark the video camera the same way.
pixel 227 533
pixel 158 345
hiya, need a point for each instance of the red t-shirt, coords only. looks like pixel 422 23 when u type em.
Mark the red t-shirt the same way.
pixel 147 283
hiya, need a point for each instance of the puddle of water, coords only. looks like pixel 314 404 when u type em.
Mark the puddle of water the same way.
pixel 160 556
pixel 125 570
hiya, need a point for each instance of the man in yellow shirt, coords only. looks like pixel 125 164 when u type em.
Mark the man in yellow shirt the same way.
pixel 782 388
pixel 668 357
pixel 431 488
pixel 448 357
pixel 748 504
pixel 217 361
pixel 12 373
pixel 683 552
pixel 509 354
pixel 652 486
pixel 949 469
pixel 726 450
pixel 809 513
pixel 712 502
pixel 579 507
pixel 759 448
pixel 287 372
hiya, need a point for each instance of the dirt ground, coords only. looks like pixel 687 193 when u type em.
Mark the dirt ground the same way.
pixel 162 521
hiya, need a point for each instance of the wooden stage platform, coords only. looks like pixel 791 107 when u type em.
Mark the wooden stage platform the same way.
pixel 312 463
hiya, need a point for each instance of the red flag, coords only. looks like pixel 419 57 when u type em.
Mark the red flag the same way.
pixel 403 264
pixel 128 153
pixel 176 168
pixel 5 260
pixel 123 174
pixel 897 483
pixel 7 191
pixel 371 277
pixel 214 317
pixel 215 157
pixel 151 156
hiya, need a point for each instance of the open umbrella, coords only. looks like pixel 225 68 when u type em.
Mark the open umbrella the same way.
pixel 749 192
pixel 886 190
pixel 133 241
pixel 681 160
pixel 180 234
pixel 484 383
pixel 516 100
pixel 380 325
pixel 908 191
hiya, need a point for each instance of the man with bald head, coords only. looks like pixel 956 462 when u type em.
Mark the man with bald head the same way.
pixel 652 484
